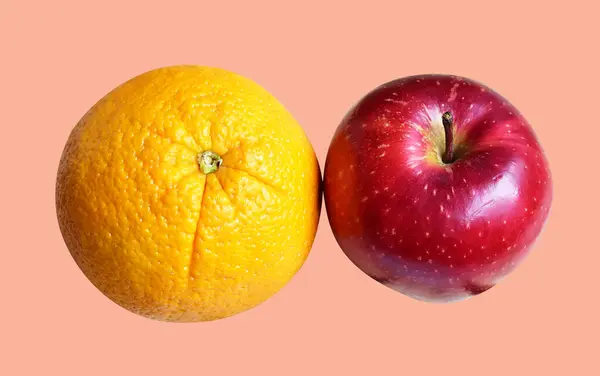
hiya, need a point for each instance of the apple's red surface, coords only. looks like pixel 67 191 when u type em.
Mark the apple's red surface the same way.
pixel 433 226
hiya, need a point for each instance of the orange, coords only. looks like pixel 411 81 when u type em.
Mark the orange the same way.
pixel 188 193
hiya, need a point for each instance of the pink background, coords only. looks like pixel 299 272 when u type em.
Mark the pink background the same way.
pixel 318 58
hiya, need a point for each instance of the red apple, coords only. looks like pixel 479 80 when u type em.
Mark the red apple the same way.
pixel 436 186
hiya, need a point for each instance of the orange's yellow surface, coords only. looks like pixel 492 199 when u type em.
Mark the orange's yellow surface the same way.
pixel 161 238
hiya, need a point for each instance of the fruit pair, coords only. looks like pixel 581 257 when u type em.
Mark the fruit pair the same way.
pixel 191 194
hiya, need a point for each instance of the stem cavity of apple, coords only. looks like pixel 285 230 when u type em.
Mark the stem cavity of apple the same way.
pixel 447 121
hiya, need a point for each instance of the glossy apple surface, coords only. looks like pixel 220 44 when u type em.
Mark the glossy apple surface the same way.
pixel 436 221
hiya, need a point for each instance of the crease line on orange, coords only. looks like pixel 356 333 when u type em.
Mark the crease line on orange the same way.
pixel 170 139
pixel 195 249
pixel 197 233
pixel 257 178
pixel 224 191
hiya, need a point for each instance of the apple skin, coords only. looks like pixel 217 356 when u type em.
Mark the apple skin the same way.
pixel 431 230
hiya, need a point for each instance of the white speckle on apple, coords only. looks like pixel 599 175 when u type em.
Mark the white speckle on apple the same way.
pixel 453 94
pixel 376 192
pixel 426 234
pixel 471 106
pixel 437 83
pixel 364 199
pixel 382 154
pixel 434 192
pixel 441 208
pixel 480 234
pixel 427 218
pixel 419 258
pixel 383 146
pixel 425 187
pixel 430 261
pixel 394 231
pixel 468 225
pixel 363 126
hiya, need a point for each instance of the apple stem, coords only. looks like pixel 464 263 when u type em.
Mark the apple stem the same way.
pixel 447 121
